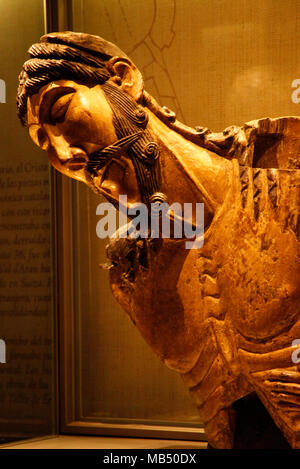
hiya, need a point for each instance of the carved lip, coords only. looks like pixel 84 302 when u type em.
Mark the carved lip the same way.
pixel 77 163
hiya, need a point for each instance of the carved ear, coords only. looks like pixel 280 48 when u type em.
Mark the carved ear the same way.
pixel 127 76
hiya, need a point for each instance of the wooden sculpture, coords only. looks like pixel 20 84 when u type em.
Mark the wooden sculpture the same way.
pixel 225 315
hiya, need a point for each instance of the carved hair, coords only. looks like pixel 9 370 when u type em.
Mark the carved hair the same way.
pixel 75 56
pixel 83 57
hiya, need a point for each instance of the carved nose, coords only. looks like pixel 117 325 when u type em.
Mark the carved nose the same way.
pixel 73 154
pixel 65 156
pixel 78 152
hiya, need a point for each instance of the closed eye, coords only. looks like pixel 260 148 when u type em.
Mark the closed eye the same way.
pixel 60 107
pixel 48 111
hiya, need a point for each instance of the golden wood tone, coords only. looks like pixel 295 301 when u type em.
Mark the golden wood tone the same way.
pixel 223 316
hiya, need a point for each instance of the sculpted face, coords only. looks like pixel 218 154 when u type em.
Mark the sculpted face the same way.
pixel 71 121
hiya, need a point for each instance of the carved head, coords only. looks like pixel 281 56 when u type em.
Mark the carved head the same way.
pixel 79 97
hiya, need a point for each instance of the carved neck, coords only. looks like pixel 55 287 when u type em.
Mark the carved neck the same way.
pixel 190 173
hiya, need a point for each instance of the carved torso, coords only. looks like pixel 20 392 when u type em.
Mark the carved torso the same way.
pixel 235 302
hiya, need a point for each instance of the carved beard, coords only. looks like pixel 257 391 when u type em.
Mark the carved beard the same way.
pixel 130 119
